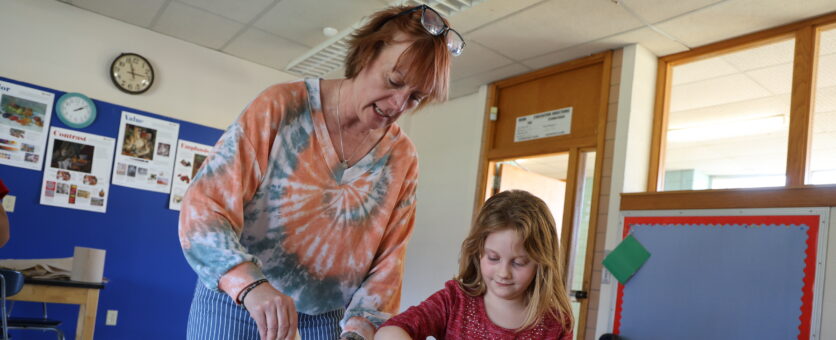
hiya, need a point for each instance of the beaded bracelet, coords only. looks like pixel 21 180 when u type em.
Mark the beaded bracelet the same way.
pixel 247 290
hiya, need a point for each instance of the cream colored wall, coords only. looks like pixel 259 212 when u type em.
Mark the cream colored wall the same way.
pixel 828 308
pixel 630 146
pixel 53 44
pixel 448 138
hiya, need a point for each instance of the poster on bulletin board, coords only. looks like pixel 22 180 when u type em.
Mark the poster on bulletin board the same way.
pixel 75 176
pixel 190 157
pixel 24 119
pixel 144 157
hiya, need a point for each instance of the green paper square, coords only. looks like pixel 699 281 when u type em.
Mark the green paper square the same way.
pixel 626 259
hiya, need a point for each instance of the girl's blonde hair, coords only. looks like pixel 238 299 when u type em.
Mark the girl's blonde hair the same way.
pixel 530 217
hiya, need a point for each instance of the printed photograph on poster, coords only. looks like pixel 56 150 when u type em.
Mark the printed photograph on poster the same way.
pixel 24 119
pixel 139 142
pixel 190 157
pixel 76 175
pixel 145 159
pixel 72 156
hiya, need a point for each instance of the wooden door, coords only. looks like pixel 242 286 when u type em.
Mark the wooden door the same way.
pixel 575 95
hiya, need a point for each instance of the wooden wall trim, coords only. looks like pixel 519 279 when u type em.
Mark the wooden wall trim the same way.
pixel 600 151
pixel 808 196
pixel 801 106
pixel 655 174
pixel 559 68
pixel 487 135
pixel 541 148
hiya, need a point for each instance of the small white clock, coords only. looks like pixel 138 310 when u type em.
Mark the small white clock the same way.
pixel 76 110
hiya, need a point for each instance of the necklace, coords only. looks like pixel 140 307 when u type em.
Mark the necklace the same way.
pixel 344 160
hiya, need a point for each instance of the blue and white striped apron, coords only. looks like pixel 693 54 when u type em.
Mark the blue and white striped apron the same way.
pixel 214 316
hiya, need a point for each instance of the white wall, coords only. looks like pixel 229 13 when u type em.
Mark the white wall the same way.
pixel 448 138
pixel 634 124
pixel 56 45
pixel 828 309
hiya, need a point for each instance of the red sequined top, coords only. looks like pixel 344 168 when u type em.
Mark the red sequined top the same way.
pixel 3 189
pixel 452 314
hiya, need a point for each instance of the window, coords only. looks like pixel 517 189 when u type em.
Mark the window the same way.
pixel 822 168
pixel 728 119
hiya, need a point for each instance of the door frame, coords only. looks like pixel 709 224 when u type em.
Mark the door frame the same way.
pixel 485 173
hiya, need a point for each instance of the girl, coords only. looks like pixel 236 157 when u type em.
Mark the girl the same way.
pixel 510 281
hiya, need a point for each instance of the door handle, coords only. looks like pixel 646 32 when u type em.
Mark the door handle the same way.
pixel 578 294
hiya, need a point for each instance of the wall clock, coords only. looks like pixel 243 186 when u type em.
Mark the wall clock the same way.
pixel 76 110
pixel 132 73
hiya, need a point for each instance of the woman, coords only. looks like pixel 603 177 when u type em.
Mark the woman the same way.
pixel 301 215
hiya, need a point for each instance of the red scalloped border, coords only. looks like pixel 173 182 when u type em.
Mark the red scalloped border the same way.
pixel 812 221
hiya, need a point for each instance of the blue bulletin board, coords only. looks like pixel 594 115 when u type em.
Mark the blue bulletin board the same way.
pixel 750 274
pixel 150 283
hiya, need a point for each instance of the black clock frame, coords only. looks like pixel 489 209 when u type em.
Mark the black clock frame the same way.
pixel 116 83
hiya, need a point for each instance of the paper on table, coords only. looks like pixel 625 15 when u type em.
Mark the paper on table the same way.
pixel 626 259
pixel 41 268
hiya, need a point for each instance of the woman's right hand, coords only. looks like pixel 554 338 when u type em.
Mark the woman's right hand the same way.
pixel 273 312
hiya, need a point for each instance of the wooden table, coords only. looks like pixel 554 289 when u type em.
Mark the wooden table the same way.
pixel 84 294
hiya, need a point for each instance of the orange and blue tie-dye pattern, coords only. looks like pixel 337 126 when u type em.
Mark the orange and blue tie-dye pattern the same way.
pixel 274 193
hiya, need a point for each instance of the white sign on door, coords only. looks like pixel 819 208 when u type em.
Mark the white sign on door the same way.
pixel 543 125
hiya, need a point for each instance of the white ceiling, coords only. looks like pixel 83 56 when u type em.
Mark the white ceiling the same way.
pixel 504 37
pixel 511 37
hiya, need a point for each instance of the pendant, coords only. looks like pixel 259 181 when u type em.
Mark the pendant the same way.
pixel 345 164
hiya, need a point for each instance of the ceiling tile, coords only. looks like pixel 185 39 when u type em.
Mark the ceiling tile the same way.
pixel 738 17
pixel 565 55
pixel 264 48
pixel 303 20
pixel 139 13
pixel 195 25
pixel 474 59
pixel 471 84
pixel 768 55
pixel 551 166
pixel 655 42
pixel 826 99
pixel 827 42
pixel 242 11
pixel 554 25
pixel 486 12
pixel 701 70
pixel 742 110
pixel 746 155
pixel 715 91
pixel 826 71
pixel 776 79
pixel 654 11
pixel 824 122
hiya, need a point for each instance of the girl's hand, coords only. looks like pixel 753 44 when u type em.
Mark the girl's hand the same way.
pixel 273 312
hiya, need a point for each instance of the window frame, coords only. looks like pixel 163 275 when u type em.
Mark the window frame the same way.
pixel 795 192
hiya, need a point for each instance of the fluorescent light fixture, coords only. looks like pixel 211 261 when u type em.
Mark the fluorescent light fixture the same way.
pixel 727 129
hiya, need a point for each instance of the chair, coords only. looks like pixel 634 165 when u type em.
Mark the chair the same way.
pixel 11 282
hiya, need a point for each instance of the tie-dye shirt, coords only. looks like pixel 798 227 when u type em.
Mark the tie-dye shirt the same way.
pixel 273 192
